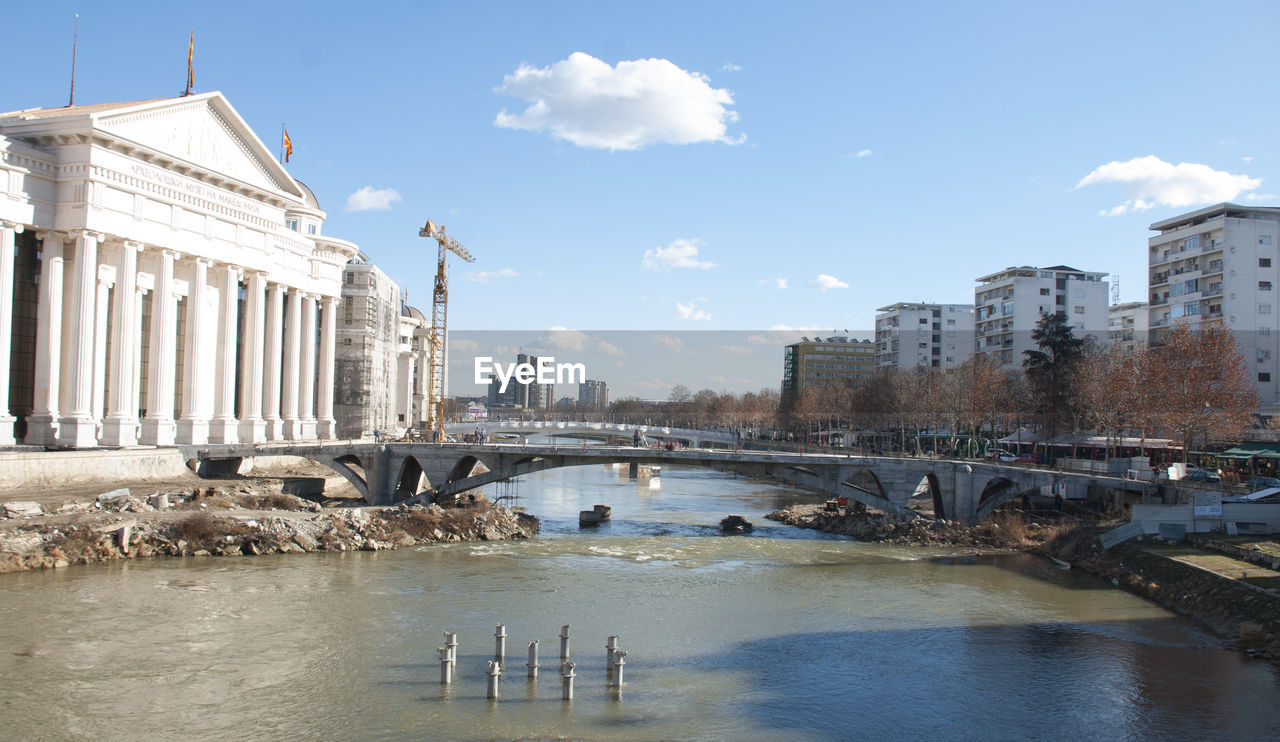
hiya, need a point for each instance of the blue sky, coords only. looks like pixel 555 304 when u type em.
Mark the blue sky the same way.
pixel 897 149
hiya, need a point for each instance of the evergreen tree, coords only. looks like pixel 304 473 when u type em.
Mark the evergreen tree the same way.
pixel 1051 370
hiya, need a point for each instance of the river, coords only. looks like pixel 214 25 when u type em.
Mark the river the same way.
pixel 781 634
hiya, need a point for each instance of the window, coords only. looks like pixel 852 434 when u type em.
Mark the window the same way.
pixel 1264 309
pixel 291 224
pixel 1264 239
pixel 311 229
pixel 1264 262
pixel 1078 309
pixel 1264 285
pixel 1060 300
pixel 951 322
pixel 1264 376
pixel 924 320
pixel 1044 292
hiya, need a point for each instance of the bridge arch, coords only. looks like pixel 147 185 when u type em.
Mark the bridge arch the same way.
pixel 350 467
pixel 996 492
pixel 412 480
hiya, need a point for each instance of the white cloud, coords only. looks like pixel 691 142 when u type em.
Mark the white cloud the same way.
pixel 489 276
pixel 679 254
pixel 586 102
pixel 1255 197
pixel 781 283
pixel 370 199
pixel 668 342
pixel 1153 182
pixel 737 350
pixel 692 312
pixel 463 346
pixel 825 283
pixel 609 348
pixel 565 339
pixel 731 67
pixel 1247 159
pixel 863 153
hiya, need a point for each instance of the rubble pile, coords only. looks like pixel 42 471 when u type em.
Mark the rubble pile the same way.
pixel 996 534
pixel 206 523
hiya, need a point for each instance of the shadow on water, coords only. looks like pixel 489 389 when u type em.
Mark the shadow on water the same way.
pixel 1095 681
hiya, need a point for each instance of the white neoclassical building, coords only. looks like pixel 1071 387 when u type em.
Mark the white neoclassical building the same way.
pixel 162 280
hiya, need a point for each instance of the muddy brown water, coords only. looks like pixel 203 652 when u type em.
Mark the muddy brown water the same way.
pixel 780 634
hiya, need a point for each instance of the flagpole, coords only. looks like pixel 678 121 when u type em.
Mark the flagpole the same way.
pixel 74 43
pixel 281 144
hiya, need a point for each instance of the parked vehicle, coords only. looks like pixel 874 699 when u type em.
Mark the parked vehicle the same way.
pixel 1196 474
pixel 1262 483
pixel 1028 458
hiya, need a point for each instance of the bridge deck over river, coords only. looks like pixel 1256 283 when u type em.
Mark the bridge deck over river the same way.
pixel 387 473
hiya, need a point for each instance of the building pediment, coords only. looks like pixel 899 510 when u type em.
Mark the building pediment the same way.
pixel 204 131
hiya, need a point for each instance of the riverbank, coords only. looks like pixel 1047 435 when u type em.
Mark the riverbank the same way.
pixel 235 520
pixel 1165 574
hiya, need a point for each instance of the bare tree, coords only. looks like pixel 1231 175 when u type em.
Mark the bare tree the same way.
pixel 1202 384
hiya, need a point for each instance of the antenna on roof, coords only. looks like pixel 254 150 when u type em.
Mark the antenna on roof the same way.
pixel 75 42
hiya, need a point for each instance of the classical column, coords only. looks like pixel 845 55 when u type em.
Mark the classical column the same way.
pixel 271 375
pixel 327 427
pixel 158 427
pixel 42 423
pixel 120 426
pixel 77 427
pixel 292 351
pixel 7 232
pixel 224 429
pixel 307 373
pixel 424 380
pixel 253 429
pixel 106 279
pixel 198 351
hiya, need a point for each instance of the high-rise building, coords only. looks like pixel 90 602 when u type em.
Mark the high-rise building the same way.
pixel 1127 325
pixel 593 395
pixel 529 396
pixel 1008 304
pixel 911 335
pixel 1218 265
pixel 820 362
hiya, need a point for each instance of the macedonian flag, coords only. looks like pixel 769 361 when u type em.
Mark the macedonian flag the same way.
pixel 287 145
pixel 191 70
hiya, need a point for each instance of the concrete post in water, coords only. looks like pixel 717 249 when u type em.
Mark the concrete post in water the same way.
pixel 532 664
pixel 495 669
pixel 451 641
pixel 610 646
pixel 564 643
pixel 500 643
pixel 619 660
pixel 446 666
pixel 566 681
pixel 633 470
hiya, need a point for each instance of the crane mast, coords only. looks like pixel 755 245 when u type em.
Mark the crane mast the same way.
pixel 439 316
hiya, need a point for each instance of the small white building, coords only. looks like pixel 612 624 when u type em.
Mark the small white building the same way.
pixel 162 279
pixel 1008 304
pixel 912 334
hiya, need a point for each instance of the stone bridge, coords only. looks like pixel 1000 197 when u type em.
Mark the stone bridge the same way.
pixel 389 473
pixel 599 431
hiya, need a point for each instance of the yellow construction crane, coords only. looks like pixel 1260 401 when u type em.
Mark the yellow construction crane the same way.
pixel 439 313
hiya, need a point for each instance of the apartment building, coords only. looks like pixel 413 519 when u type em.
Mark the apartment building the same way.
pixel 1219 265
pixel 819 362
pixel 911 335
pixel 1127 324
pixel 1008 304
